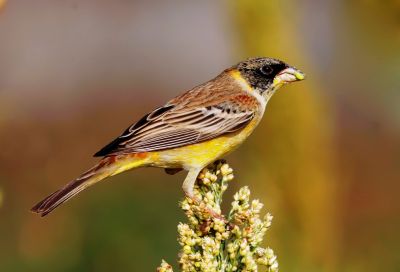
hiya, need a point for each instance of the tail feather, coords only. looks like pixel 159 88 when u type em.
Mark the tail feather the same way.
pixel 105 168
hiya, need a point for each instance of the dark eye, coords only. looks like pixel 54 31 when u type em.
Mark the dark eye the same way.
pixel 266 70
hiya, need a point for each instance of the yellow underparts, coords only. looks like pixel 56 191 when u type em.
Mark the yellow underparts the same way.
pixel 126 162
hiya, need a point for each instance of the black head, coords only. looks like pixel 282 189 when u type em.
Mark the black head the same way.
pixel 267 74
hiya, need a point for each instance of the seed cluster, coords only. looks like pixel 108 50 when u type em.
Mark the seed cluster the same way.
pixel 213 243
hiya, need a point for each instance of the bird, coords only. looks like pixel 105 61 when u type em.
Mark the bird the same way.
pixel 190 131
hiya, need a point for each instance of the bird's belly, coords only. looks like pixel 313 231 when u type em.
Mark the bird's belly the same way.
pixel 201 154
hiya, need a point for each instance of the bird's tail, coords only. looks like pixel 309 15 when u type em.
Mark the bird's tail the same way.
pixel 107 167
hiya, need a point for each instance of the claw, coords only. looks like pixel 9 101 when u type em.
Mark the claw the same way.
pixel 209 210
pixel 221 161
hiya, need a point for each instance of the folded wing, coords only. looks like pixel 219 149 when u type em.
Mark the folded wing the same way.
pixel 175 126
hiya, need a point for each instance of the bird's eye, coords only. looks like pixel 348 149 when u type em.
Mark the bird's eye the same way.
pixel 266 70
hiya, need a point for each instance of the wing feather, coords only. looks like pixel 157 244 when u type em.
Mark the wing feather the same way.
pixel 172 126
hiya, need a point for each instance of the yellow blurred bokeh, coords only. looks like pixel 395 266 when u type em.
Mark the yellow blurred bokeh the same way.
pixel 2 4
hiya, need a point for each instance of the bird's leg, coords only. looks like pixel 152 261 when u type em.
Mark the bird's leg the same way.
pixel 188 186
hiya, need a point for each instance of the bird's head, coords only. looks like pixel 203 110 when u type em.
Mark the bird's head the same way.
pixel 266 75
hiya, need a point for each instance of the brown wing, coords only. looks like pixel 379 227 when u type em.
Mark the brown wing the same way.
pixel 188 119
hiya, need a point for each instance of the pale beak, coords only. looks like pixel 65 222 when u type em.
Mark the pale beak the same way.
pixel 288 75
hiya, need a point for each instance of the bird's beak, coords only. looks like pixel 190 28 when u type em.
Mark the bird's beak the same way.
pixel 288 75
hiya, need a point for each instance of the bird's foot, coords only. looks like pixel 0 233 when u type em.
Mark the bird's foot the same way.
pixel 221 161
pixel 213 213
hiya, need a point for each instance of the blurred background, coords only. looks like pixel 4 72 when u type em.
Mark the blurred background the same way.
pixel 325 160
